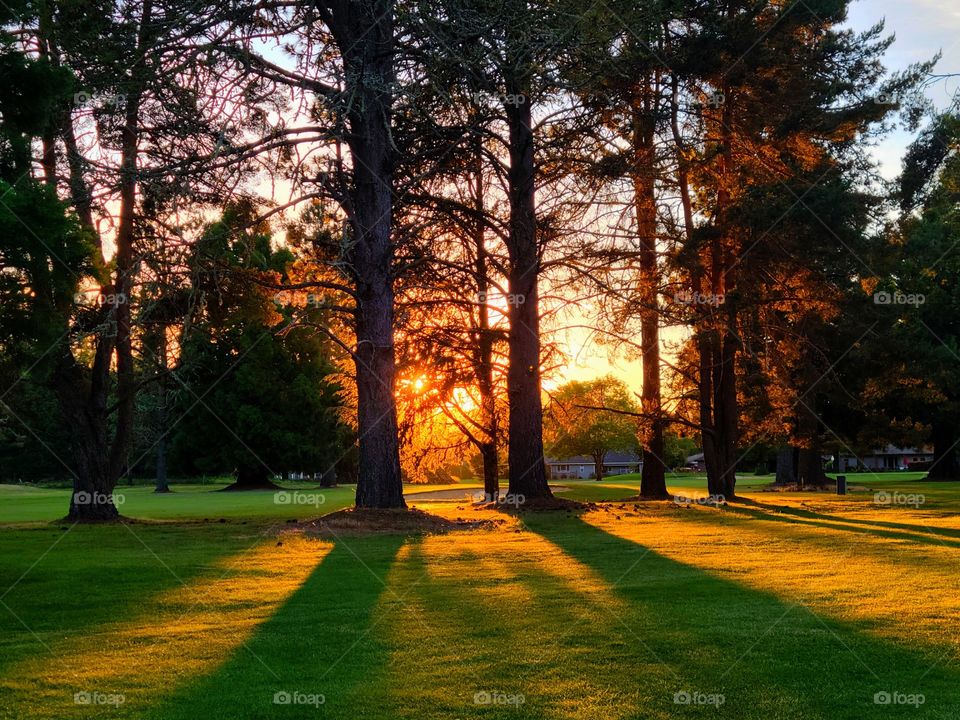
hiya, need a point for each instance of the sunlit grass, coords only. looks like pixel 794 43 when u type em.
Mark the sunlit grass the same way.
pixel 797 605
pixel 505 617
pixel 892 580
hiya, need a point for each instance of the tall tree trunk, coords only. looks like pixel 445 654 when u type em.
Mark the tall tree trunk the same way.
pixel 810 468
pixel 729 421
pixel 704 331
pixel 946 459
pixel 82 402
pixel 809 456
pixel 786 466
pixel 162 485
pixel 653 482
pixel 363 30
pixel 528 473
pixel 93 480
pixel 92 497
pixel 724 261
pixel 101 460
pixel 125 259
pixel 379 482
pixel 598 465
pixel 491 473
pixel 47 50
pixel 485 341
pixel 712 461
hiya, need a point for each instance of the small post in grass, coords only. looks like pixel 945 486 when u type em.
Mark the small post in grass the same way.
pixel 841 484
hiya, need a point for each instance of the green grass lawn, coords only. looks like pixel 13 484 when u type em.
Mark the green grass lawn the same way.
pixel 791 605
pixel 25 503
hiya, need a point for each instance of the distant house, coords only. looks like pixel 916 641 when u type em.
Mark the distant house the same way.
pixel 695 462
pixel 888 458
pixel 582 467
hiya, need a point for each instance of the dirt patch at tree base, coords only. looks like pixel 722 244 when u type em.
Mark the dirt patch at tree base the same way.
pixel 471 495
pixel 72 520
pixel 796 487
pixel 538 505
pixel 392 521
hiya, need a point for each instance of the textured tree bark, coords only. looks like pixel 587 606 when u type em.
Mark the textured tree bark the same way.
pixel 93 479
pixel 363 30
pixel 528 474
pixel 653 482
pixel 379 482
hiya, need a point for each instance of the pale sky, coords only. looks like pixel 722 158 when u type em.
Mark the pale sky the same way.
pixel 922 28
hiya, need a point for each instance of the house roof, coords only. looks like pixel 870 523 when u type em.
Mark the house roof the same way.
pixel 612 458
pixel 894 450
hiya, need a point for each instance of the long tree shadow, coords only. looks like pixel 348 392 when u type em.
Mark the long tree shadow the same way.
pixel 508 628
pixel 801 530
pixel 881 528
pixel 880 585
pixel 320 651
pixel 774 514
pixel 767 657
pixel 527 619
